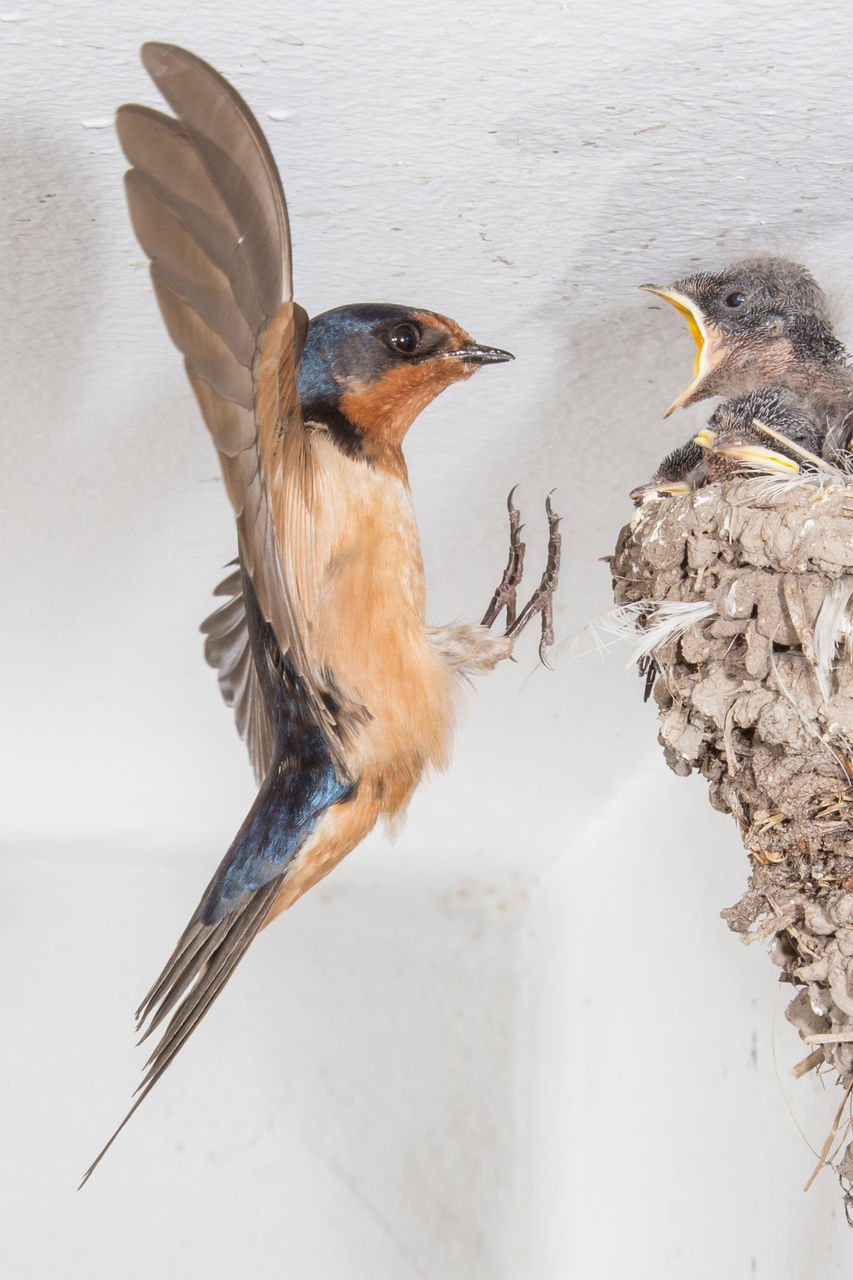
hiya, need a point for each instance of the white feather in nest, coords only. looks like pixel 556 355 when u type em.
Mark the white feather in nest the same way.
pixel 833 628
pixel 645 625
pixel 773 485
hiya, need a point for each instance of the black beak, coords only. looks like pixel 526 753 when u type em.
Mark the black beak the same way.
pixel 476 354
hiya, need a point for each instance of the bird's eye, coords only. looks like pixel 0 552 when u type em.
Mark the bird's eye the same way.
pixel 405 339
pixel 735 300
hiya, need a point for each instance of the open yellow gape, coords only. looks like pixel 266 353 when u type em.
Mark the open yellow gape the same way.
pixel 707 339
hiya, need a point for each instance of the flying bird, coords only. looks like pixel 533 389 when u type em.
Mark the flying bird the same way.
pixel 343 694
pixel 759 323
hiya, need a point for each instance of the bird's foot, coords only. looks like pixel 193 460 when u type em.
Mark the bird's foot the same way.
pixel 505 594
pixel 542 600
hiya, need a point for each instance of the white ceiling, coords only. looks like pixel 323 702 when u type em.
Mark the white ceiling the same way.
pixel 522 167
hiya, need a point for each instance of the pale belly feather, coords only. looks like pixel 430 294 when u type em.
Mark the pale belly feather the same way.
pixel 367 617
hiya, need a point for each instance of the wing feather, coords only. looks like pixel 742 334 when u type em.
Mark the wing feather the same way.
pixel 228 648
pixel 207 354
pixel 232 584
pixel 238 158
pixel 208 208
pixel 183 263
pixel 159 147
pixel 226 617
pixel 240 695
pixel 232 425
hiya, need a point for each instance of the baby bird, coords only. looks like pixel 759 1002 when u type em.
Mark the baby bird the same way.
pixel 680 472
pixel 750 435
pixel 343 693
pixel 738 440
pixel 765 322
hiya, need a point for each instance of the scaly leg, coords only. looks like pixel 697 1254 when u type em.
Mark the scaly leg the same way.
pixel 505 595
pixel 542 600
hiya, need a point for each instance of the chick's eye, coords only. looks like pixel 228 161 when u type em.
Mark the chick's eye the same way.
pixel 404 338
pixel 735 300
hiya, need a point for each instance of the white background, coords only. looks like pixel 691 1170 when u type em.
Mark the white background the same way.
pixel 519 1044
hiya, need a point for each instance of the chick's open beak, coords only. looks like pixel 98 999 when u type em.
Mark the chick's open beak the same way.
pixel 709 350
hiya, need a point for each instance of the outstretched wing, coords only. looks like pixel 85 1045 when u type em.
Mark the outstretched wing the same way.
pixel 208 208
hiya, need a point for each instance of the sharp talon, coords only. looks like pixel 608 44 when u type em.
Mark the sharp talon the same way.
pixel 542 600
pixel 505 595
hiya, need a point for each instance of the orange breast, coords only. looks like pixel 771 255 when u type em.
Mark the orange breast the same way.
pixel 366 617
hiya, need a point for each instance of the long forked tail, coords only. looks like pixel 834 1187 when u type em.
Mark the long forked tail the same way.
pixel 198 969
pixel 300 786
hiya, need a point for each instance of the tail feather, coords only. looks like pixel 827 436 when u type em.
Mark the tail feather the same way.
pixel 186 973
pixel 211 980
pixel 205 970
pixel 194 940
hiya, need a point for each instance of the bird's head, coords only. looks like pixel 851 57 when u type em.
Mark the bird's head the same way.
pixel 369 369
pixel 753 324
pixel 764 432
pixel 679 472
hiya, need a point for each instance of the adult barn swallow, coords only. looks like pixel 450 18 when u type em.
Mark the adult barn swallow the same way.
pixel 763 322
pixel 344 695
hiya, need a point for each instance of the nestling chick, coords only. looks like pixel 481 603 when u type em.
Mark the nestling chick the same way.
pixel 764 322
pixel 680 471
pixel 736 439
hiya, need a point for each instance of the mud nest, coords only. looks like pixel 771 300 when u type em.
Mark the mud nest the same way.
pixel 743 592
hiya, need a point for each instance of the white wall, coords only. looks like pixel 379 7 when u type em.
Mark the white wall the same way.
pixel 520 1043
